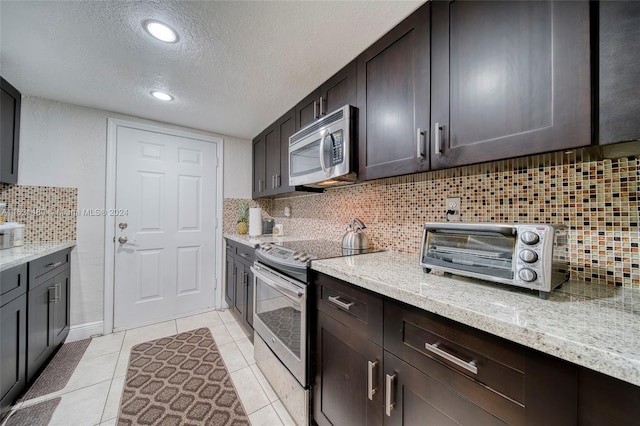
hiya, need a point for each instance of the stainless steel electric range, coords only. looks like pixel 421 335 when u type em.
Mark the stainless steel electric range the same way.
pixel 281 307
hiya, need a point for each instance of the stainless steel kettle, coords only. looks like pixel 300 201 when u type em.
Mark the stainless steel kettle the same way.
pixel 355 238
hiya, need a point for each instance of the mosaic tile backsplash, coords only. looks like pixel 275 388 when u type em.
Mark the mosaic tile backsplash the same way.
pixel 49 214
pixel 598 200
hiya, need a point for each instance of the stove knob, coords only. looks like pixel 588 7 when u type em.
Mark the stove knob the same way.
pixel 528 256
pixel 527 275
pixel 296 255
pixel 529 238
pixel 304 257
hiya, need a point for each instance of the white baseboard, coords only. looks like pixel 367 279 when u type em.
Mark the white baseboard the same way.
pixel 84 331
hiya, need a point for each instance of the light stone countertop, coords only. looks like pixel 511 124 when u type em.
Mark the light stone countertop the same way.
pixel 30 251
pixel 256 241
pixel 594 326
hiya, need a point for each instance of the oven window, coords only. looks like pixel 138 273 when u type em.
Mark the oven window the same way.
pixel 280 315
pixel 306 159
pixel 482 253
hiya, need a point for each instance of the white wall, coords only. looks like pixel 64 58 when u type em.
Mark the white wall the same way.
pixel 65 145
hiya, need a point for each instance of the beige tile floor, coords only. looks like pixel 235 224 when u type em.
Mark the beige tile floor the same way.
pixel 92 395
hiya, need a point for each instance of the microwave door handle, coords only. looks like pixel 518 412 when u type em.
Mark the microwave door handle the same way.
pixel 322 163
pixel 283 288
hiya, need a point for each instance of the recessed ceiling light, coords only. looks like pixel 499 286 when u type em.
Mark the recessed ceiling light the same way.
pixel 161 31
pixel 161 95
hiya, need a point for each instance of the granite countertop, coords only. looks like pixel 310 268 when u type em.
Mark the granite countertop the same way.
pixel 595 326
pixel 256 241
pixel 30 251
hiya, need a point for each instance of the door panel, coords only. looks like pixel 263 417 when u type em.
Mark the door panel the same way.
pixel 167 185
pixel 508 79
pixel 393 99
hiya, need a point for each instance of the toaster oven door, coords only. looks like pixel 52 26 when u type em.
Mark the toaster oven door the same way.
pixel 482 253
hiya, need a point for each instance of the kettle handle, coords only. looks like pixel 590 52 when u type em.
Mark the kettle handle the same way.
pixel 358 222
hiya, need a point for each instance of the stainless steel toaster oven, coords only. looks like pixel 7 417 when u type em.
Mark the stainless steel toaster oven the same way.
pixel 528 255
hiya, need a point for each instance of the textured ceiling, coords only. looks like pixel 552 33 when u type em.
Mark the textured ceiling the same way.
pixel 237 67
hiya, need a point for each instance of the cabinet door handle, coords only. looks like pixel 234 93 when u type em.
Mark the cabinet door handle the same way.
pixel 53 265
pixel 245 280
pixel 469 366
pixel 315 110
pixel 370 389
pixel 321 106
pixel 336 301
pixel 260 183
pixel 52 288
pixel 388 404
pixel 58 285
pixel 419 143
pixel 278 180
pixel 438 138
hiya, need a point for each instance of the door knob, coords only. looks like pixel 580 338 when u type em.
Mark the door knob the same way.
pixel 122 225
pixel 122 240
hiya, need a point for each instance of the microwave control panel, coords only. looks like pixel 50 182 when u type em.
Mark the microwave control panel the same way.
pixel 337 148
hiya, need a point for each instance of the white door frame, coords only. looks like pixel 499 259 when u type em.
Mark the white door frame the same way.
pixel 110 204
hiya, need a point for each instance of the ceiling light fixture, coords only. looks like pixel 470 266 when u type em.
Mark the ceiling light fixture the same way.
pixel 161 95
pixel 161 31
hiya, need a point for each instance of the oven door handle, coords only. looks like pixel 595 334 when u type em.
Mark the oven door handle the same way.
pixel 281 285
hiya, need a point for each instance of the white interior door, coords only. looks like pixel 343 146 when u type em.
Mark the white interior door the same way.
pixel 165 227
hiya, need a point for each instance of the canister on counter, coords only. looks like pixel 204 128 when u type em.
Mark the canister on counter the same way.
pixel 6 236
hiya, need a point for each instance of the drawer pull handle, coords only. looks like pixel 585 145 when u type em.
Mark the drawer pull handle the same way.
pixel 370 389
pixel 388 405
pixel 53 265
pixel 245 255
pixel 469 366
pixel 336 301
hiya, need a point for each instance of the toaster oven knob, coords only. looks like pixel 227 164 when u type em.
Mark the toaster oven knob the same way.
pixel 527 275
pixel 528 256
pixel 529 237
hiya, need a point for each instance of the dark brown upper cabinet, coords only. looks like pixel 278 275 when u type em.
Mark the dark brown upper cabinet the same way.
pixel 9 132
pixel 336 92
pixel 259 165
pixel 286 127
pixel 508 79
pixel 619 68
pixel 393 100
pixel 271 158
pixel 272 166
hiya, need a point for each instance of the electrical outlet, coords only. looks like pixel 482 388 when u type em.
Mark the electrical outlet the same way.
pixel 452 211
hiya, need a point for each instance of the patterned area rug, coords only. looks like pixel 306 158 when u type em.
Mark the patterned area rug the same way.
pixel 179 380
pixel 57 373
pixel 34 415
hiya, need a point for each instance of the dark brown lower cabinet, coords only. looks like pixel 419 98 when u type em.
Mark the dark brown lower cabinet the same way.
pixel 13 343
pixel 423 369
pixel 48 323
pixel 414 398
pixel 343 394
pixel 604 400
pixel 239 284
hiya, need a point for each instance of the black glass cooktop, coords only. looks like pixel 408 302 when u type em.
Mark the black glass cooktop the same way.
pixel 323 249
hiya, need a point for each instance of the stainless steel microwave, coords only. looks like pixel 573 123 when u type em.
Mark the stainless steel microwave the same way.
pixel 532 256
pixel 322 154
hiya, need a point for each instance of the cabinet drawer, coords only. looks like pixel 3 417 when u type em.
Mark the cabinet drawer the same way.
pixel 422 339
pixel 46 267
pixel 13 283
pixel 513 383
pixel 230 247
pixel 246 253
pixel 354 307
